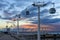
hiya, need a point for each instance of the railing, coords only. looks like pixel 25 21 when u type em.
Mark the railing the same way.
pixel 44 32
pixel 50 35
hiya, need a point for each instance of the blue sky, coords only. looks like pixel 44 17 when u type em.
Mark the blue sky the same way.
pixel 9 10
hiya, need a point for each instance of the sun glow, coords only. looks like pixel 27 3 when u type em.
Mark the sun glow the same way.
pixel 9 23
pixel 24 24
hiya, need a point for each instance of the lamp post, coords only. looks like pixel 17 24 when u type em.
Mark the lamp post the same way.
pixel 38 5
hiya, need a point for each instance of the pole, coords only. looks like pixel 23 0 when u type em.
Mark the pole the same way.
pixel 39 4
pixel 17 26
pixel 38 33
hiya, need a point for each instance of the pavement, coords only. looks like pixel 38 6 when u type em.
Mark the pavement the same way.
pixel 8 37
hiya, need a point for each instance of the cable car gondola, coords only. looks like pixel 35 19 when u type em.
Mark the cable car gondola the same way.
pixel 52 10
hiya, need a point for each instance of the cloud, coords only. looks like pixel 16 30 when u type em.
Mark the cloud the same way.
pixel 33 27
pixel 12 7
pixel 9 10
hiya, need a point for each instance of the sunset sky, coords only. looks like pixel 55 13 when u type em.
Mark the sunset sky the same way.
pixel 10 8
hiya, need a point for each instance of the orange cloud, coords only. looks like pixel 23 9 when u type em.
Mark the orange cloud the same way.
pixel 34 27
